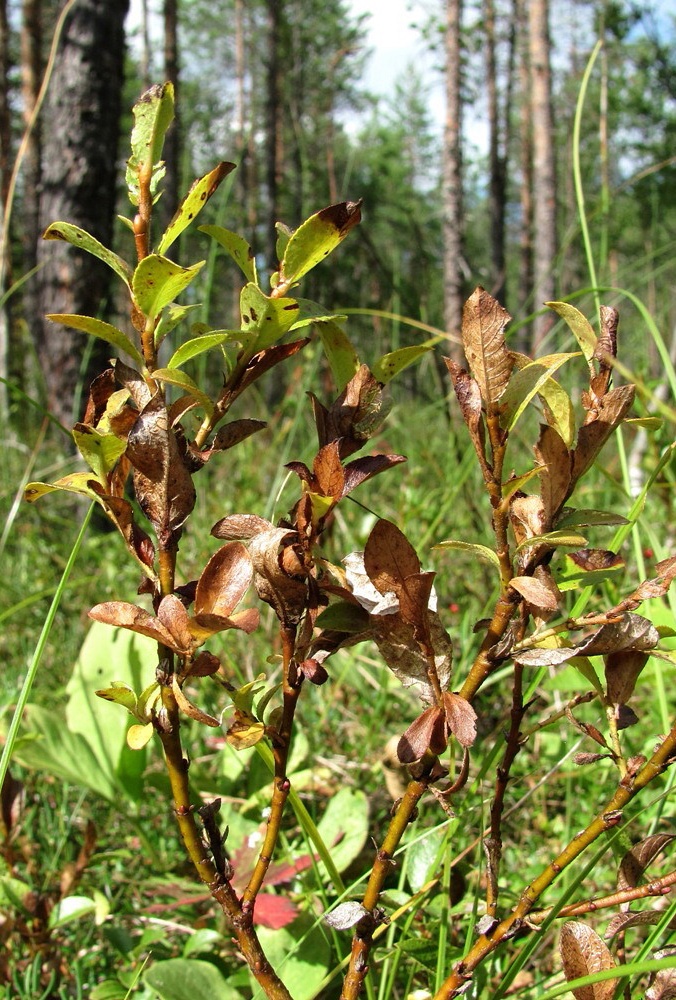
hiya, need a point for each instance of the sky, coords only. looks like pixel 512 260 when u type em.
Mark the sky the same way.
pixel 396 45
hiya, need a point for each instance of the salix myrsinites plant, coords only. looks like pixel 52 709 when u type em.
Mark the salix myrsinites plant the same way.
pixel 156 427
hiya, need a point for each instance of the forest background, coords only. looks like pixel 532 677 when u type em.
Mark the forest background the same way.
pixel 493 197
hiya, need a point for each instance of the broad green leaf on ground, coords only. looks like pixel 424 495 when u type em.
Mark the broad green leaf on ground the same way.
pixel 198 345
pixel 109 655
pixel 579 325
pixel 85 241
pixel 157 281
pixel 71 908
pixel 193 203
pixel 344 826
pixel 316 238
pixel 300 953
pixel 483 336
pixel 153 114
pixel 391 364
pixel 237 247
pixel 340 353
pixel 173 376
pixel 97 328
pixel 187 979
pixel 424 856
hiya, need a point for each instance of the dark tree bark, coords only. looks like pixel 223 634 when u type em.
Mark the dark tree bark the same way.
pixel 5 171
pixel 31 77
pixel 544 174
pixel 80 141
pixel 172 145
pixel 452 181
pixel 273 115
pixel 525 295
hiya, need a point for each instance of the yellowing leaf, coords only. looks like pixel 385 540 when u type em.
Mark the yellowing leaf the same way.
pixel 193 203
pixel 97 328
pixel 157 281
pixel 80 238
pixel 316 238
pixel 579 326
pixel 237 247
pixel 138 736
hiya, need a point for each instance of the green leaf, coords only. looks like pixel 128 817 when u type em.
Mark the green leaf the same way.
pixel 153 114
pixel 557 538
pixel 510 486
pixel 561 410
pixel 100 451
pixel 300 953
pixel 81 483
pixel 69 909
pixel 193 203
pixel 237 247
pixel 579 325
pixel 182 381
pixel 312 312
pixel 266 319
pixel 188 978
pixel 340 353
pixel 85 241
pixel 344 826
pixel 424 856
pixel 120 694
pixel 343 616
pixel 97 328
pixel 391 364
pixel 480 551
pixel 172 315
pixel 13 892
pixel 198 345
pixel 316 238
pixel 527 383
pixel 157 281
pixel 583 517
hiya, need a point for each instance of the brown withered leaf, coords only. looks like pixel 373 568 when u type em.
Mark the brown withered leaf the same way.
pixel 100 391
pixel 172 613
pixel 397 644
pixel 361 469
pixel 583 953
pixel 136 619
pixel 635 861
pixel 631 631
pixel 389 558
pixel 555 477
pixel 162 483
pixel 595 559
pixel 414 599
pixel 535 592
pixel 205 664
pixel 328 473
pixel 236 527
pixel 623 921
pixel 286 595
pixel 609 414
pixel 192 711
pixel 267 359
pixel 12 801
pixel 622 672
pixel 237 430
pixel 121 513
pixel 460 718
pixel 203 626
pixel 133 382
pixel 663 986
pixel 224 581
pixel 483 336
pixel 468 395
pixel 657 587
pixel 427 732
pixel 354 416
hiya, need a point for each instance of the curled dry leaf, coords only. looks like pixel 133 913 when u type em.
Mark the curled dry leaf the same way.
pixel 192 711
pixel 427 732
pixel 622 671
pixel 240 527
pixel 555 475
pixel 389 558
pixel 224 581
pixel 663 987
pixel 174 616
pixel 398 646
pixel 483 336
pixel 634 863
pixel 135 619
pixel 535 592
pixel 345 915
pixel 460 718
pixel 468 395
pixel 286 595
pixel 583 953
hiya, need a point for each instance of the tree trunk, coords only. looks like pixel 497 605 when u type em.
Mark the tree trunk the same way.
pixel 5 170
pixel 273 112
pixel 80 141
pixel 172 145
pixel 452 182
pixel 544 177
pixel 31 77
pixel 525 294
